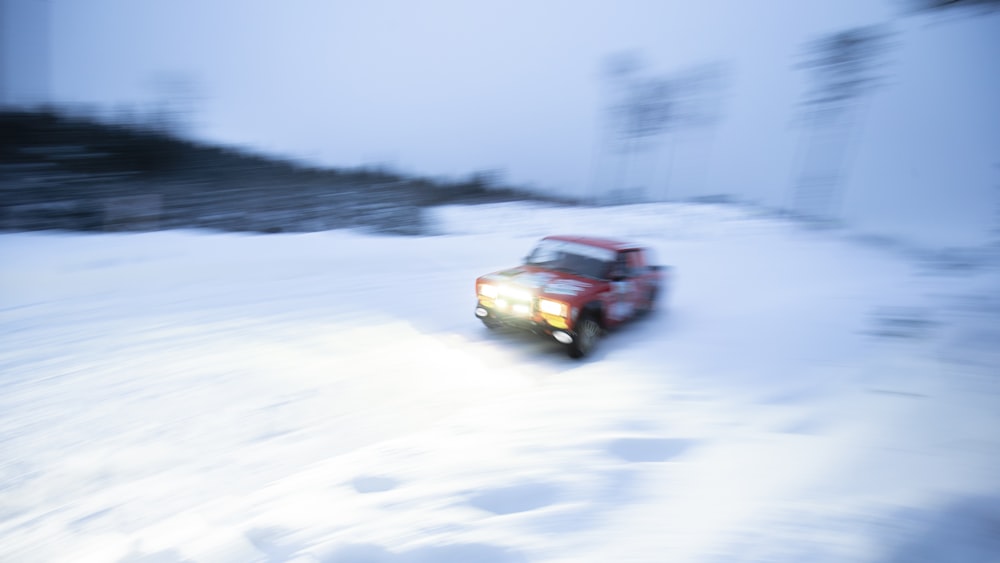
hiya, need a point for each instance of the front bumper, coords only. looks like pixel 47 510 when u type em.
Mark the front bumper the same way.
pixel 525 317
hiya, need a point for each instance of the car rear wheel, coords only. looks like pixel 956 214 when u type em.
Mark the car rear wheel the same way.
pixel 588 331
pixel 649 304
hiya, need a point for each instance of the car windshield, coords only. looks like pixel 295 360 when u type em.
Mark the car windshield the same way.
pixel 572 257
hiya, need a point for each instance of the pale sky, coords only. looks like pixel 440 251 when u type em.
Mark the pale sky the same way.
pixel 449 87
pixel 443 86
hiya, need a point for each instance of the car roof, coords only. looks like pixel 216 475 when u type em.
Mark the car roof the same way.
pixel 610 244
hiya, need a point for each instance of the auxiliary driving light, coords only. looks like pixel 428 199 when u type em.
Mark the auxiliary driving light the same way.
pixel 515 293
pixel 481 313
pixel 562 337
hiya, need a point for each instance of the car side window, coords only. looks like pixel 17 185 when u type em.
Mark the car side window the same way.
pixel 628 263
pixel 617 269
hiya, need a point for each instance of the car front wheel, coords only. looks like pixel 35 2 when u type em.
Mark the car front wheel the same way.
pixel 588 331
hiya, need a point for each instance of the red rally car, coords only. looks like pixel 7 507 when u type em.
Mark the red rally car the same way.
pixel 573 288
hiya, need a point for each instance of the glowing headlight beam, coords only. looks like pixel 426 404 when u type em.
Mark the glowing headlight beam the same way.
pixel 550 307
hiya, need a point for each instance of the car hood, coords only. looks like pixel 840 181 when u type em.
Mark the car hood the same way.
pixel 561 286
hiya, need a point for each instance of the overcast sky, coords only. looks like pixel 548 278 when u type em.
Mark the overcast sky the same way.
pixel 449 87
pixel 441 86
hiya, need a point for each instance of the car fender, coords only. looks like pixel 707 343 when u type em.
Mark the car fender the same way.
pixel 595 308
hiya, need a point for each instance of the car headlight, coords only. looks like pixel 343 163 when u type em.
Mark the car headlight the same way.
pixel 487 290
pixel 515 293
pixel 550 307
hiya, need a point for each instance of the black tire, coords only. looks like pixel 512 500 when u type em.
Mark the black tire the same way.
pixel 588 332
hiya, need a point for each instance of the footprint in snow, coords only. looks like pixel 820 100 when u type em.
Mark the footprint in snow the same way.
pixel 515 498
pixel 373 484
pixel 457 552
pixel 648 449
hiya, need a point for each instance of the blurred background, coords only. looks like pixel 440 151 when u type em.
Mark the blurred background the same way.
pixel 329 396
pixel 878 114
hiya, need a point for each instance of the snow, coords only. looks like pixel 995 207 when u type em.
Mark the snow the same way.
pixel 194 396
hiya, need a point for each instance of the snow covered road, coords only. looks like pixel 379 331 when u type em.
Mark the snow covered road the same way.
pixel 183 396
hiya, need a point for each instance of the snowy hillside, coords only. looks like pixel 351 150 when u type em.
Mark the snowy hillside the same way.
pixel 329 397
